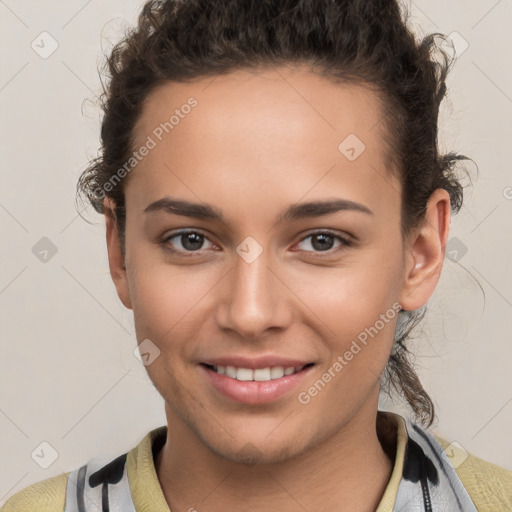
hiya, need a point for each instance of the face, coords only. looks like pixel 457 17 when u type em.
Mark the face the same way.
pixel 258 246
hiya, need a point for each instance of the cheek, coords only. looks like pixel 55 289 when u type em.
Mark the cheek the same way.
pixel 357 306
pixel 166 300
pixel 350 298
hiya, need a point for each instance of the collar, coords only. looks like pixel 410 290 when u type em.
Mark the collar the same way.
pixel 422 480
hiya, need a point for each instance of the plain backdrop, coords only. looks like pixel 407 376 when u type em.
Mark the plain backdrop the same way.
pixel 68 374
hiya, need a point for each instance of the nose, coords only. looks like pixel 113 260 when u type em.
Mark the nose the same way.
pixel 254 299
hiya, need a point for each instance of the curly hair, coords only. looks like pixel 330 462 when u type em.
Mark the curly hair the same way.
pixel 365 42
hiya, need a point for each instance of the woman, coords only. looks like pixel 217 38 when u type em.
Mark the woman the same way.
pixel 276 211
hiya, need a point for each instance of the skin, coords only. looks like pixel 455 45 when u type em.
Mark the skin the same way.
pixel 252 147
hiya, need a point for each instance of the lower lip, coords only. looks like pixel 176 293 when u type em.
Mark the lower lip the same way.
pixel 254 392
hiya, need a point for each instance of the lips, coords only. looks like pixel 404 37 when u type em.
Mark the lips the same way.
pixel 254 381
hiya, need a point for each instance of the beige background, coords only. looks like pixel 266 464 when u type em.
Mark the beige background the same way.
pixel 68 374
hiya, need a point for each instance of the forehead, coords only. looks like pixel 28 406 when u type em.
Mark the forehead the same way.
pixel 287 100
pixel 256 129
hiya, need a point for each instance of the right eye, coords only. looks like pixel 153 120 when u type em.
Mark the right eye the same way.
pixel 185 241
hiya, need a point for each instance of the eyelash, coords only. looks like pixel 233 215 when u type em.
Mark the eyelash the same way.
pixel 345 243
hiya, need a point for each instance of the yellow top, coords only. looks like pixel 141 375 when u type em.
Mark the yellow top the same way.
pixel 488 485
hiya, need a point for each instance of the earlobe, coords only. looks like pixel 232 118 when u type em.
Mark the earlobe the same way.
pixel 425 251
pixel 116 258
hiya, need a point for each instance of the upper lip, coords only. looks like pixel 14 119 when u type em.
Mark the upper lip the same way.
pixel 255 362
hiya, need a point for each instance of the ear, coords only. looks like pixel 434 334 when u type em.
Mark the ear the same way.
pixel 424 252
pixel 116 259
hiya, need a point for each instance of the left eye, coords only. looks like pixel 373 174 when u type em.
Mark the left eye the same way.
pixel 187 241
pixel 322 242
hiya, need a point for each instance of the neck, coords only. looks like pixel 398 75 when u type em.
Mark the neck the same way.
pixel 348 471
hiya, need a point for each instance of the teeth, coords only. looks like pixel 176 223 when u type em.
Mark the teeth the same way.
pixel 260 374
pixel 231 372
pixel 244 374
pixel 277 372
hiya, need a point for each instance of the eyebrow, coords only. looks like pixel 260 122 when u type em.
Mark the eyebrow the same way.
pixel 293 212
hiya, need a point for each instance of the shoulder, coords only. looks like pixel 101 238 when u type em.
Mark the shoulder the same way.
pixel 489 485
pixel 134 471
pixel 46 496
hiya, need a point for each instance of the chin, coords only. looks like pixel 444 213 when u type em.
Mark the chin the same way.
pixel 256 450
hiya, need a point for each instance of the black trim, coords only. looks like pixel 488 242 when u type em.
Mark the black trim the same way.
pixel 111 473
pixel 105 507
pixel 440 463
pixel 427 500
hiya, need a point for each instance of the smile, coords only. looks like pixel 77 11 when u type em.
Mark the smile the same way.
pixel 254 385
pixel 259 374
